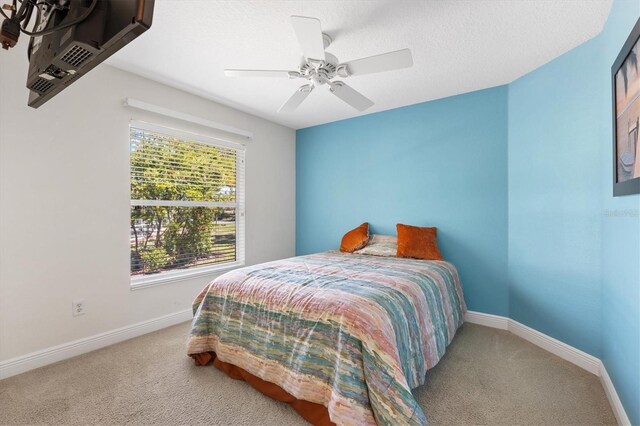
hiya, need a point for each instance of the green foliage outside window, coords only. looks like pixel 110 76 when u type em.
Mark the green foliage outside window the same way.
pixel 168 169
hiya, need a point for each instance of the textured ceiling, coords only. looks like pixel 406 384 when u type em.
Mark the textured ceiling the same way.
pixel 458 46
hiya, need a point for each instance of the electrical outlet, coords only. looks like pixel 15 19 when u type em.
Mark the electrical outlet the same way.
pixel 77 307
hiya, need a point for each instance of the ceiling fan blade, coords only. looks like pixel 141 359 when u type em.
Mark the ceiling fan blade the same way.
pixel 261 73
pixel 350 96
pixel 309 33
pixel 297 98
pixel 379 63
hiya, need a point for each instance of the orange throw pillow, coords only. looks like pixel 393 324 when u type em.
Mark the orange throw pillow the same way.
pixel 418 243
pixel 355 239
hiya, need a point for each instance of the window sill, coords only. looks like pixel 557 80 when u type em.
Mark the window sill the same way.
pixel 139 283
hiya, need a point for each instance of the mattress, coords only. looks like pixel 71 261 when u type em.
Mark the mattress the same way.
pixel 352 333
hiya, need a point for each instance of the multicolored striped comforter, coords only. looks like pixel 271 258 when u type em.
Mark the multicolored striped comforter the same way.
pixel 354 333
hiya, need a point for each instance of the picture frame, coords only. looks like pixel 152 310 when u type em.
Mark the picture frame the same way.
pixel 625 78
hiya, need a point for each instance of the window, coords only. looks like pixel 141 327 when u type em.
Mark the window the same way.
pixel 187 203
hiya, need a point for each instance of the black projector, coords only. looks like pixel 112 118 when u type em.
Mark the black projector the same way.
pixel 59 58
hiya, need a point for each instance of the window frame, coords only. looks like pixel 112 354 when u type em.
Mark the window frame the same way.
pixel 143 281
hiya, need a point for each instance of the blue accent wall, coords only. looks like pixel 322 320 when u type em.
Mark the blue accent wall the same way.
pixel 574 249
pixel 441 163
pixel 518 181
pixel 555 150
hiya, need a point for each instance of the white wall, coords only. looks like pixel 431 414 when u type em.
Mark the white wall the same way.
pixel 64 204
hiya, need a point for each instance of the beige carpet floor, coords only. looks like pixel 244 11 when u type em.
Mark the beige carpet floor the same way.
pixel 487 377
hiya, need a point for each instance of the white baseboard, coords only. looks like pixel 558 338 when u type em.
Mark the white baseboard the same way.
pixel 27 362
pixel 488 320
pixel 558 348
pixel 614 399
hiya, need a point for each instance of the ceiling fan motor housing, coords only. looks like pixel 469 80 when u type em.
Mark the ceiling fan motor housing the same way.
pixel 320 71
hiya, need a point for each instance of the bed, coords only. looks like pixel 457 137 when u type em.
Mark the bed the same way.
pixel 343 338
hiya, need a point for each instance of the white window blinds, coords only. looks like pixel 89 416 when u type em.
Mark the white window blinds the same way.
pixel 187 201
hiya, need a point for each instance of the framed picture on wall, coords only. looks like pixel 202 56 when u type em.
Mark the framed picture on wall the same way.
pixel 625 75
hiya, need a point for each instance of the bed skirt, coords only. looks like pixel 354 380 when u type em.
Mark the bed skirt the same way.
pixel 316 414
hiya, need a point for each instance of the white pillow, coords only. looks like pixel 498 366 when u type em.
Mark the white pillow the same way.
pixel 380 245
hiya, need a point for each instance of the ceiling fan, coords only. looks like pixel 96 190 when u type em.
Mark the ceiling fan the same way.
pixel 320 67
